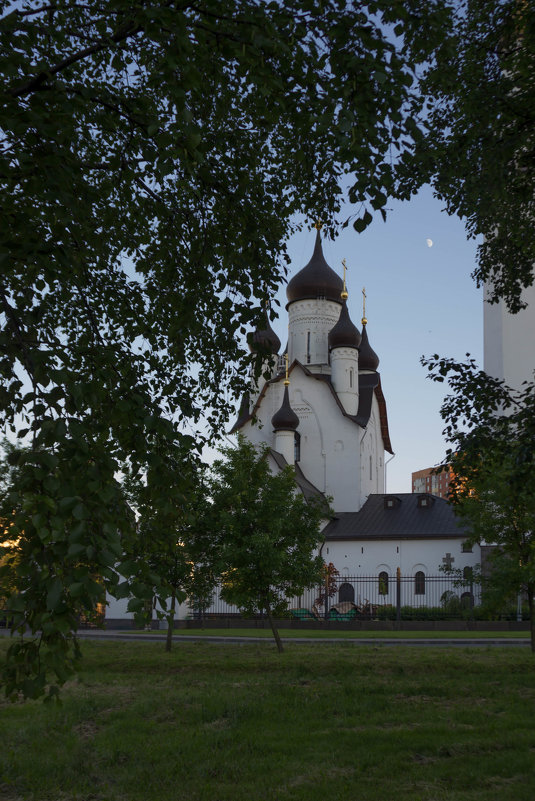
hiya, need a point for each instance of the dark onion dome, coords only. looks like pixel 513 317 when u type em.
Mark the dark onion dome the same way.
pixel 315 280
pixel 368 359
pixel 265 339
pixel 285 419
pixel 344 334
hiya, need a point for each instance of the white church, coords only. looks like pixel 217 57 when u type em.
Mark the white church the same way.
pixel 325 413
pixel 322 410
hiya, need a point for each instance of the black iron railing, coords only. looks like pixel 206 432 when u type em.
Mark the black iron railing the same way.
pixel 379 597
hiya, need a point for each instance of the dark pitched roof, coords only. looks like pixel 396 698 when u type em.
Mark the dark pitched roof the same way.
pixel 369 383
pixel 307 488
pixel 243 413
pixel 406 520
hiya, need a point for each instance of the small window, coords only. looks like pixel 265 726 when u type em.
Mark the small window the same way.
pixel 308 347
pixel 425 501
pixel 297 446
pixel 467 548
pixel 370 468
pixel 351 378
pixel 419 583
pixel 383 582
pixel 468 574
pixel 391 501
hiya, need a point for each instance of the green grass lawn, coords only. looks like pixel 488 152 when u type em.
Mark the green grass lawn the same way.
pixel 231 722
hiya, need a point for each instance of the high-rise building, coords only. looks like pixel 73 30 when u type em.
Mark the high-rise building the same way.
pixel 434 480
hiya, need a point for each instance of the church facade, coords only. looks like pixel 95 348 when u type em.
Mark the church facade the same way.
pixel 322 410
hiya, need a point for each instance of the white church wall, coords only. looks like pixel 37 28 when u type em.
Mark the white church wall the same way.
pixel 369 557
pixel 116 609
pixel 310 410
pixel 337 456
pixel 344 376
pixel 372 455
pixel 329 442
pixel 309 324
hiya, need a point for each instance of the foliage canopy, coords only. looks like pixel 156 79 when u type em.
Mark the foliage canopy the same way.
pixel 264 533
pixel 153 156
pixel 491 428
pixel 478 143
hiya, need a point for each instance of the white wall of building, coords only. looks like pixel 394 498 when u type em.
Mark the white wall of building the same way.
pixel 370 557
pixel 509 340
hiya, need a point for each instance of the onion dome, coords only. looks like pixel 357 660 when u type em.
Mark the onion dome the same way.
pixel 344 334
pixel 265 339
pixel 368 359
pixel 285 419
pixel 315 280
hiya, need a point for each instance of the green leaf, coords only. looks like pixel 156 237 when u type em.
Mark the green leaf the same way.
pixel 54 594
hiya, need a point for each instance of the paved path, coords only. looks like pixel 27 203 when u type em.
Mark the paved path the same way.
pixel 466 642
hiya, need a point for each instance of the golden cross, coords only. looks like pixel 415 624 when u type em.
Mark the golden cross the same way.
pixel 318 225
pixel 344 294
pixel 286 381
pixel 364 320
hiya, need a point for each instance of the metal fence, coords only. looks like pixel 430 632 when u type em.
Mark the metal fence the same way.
pixel 381 596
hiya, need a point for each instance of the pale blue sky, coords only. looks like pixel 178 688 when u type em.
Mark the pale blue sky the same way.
pixel 420 300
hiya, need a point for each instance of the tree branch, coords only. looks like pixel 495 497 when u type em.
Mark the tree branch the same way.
pixel 32 85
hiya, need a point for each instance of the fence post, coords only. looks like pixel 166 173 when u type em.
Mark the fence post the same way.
pixel 398 595
pixel 327 595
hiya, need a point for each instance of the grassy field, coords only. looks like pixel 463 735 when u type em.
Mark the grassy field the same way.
pixel 240 723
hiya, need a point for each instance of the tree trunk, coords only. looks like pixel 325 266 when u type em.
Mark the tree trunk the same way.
pixel 531 589
pixel 170 622
pixel 274 629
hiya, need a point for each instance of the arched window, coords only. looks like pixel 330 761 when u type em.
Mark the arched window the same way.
pixel 308 347
pixel 351 378
pixel 370 468
pixel 383 582
pixel 468 573
pixel 419 583
pixel 346 592
pixel 297 446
